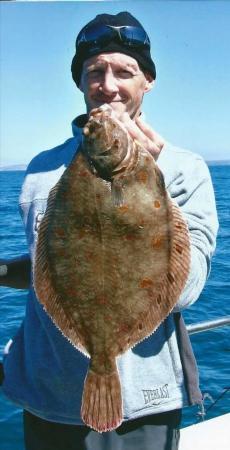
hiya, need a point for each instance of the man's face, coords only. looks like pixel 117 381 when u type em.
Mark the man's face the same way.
pixel 115 79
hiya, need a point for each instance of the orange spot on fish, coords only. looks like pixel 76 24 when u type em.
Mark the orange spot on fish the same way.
pixel 89 255
pixel 108 318
pixel 83 173
pixel 71 292
pixel 130 237
pixel 124 328
pixel 146 283
pixel 123 208
pixel 61 252
pixel 157 204
pixel 81 234
pixel 72 168
pixel 142 176
pixel 102 300
pixel 60 232
pixel 157 241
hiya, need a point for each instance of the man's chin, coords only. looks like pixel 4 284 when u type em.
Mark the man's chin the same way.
pixel 118 107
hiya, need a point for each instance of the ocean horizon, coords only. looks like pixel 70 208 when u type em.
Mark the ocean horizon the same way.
pixel 22 167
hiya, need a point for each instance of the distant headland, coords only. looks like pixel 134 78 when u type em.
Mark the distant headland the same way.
pixel 13 167
pixel 222 162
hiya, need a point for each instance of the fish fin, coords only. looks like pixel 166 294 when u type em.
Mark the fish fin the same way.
pixel 44 285
pixel 116 192
pixel 102 402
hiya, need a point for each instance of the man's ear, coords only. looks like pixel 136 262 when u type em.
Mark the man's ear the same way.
pixel 149 81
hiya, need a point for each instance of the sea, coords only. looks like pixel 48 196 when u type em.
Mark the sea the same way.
pixel 211 348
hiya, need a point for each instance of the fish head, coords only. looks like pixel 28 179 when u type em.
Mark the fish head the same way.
pixel 105 142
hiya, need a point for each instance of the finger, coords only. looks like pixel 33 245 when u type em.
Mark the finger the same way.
pixel 154 150
pixel 132 128
pixel 151 145
pixel 148 131
pixel 135 131
pixel 137 134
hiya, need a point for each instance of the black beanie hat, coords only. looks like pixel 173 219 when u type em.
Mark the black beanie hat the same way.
pixel 142 54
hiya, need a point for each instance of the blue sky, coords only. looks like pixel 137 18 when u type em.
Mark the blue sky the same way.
pixel 189 104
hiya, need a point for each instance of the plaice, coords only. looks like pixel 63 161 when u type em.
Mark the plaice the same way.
pixel 112 258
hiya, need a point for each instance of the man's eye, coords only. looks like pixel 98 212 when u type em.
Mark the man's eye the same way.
pixel 95 72
pixel 125 74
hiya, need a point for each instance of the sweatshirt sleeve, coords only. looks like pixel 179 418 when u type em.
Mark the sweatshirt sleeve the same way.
pixel 191 188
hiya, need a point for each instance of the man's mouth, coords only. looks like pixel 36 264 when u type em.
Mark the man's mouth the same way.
pixel 108 100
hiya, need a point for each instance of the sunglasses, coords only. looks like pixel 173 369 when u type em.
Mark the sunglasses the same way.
pixel 100 35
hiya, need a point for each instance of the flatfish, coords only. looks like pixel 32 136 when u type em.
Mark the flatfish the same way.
pixel 112 257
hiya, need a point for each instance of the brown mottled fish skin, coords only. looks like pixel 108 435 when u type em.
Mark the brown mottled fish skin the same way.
pixel 112 258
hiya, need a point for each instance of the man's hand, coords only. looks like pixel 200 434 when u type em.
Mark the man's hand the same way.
pixel 144 134
pixel 137 129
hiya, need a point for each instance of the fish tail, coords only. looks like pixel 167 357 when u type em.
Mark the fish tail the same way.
pixel 102 402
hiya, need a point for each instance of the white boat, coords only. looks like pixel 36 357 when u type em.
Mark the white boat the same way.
pixel 212 434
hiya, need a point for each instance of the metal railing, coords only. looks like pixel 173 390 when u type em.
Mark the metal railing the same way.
pixel 192 329
pixel 208 325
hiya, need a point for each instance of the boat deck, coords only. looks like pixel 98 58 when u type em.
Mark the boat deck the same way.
pixel 213 434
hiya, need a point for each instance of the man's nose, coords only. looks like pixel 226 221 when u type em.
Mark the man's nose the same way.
pixel 109 84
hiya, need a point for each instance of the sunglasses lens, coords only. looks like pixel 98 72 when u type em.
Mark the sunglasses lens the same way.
pixel 134 37
pixel 100 35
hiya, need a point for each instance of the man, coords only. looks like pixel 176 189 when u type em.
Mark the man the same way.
pixel 44 374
